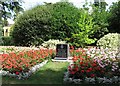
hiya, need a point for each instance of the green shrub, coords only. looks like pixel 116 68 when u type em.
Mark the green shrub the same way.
pixel 44 22
pixel 7 41
pixel 111 40
pixel 52 43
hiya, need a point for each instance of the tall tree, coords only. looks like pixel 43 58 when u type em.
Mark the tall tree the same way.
pixel 10 9
pixel 100 15
pixel 1 42
pixel 114 18
pixel 0 25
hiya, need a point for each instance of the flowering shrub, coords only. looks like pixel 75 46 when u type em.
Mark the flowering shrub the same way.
pixel 94 64
pixel 111 40
pixel 23 61
pixel 52 43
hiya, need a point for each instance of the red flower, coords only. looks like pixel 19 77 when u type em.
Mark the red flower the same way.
pixel 88 71
pixel 72 72
pixel 20 69
pixel 98 68
pixel 17 73
pixel 94 64
pixel 81 63
pixel 75 58
pixel 82 71
pixel 71 47
pixel 92 75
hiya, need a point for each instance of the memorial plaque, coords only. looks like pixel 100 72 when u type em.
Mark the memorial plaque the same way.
pixel 62 51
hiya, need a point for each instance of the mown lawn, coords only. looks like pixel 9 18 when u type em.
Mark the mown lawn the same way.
pixel 51 73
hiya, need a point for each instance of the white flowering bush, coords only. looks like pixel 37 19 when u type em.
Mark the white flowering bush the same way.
pixel 51 44
pixel 111 40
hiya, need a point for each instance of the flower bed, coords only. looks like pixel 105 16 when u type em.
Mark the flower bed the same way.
pixel 93 66
pixel 23 75
pixel 22 64
pixel 9 49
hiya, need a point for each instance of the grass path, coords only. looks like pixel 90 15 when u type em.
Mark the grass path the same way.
pixel 51 73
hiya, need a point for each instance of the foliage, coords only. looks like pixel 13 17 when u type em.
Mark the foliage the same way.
pixel 10 9
pixel 64 20
pixel 86 25
pixel 52 43
pixel 111 40
pixel 114 18
pixel 99 16
pixel 31 27
pixel 1 41
pixel 7 41
pixel 50 21
pixel 1 34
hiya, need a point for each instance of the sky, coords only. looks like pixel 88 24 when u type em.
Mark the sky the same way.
pixel 78 3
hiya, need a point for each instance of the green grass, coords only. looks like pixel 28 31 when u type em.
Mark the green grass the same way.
pixel 51 73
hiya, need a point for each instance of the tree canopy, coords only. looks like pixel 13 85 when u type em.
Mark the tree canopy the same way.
pixel 44 22
pixel 9 9
pixel 114 18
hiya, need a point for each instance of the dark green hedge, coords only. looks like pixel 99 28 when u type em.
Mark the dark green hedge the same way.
pixel 44 22
pixel 7 41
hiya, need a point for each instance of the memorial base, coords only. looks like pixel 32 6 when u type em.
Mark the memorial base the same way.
pixel 60 59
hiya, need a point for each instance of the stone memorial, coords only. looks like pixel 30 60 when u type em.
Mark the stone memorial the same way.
pixel 62 51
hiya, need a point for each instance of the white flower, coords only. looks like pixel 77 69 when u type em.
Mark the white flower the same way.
pixel 77 81
pixel 89 80
pixel 68 80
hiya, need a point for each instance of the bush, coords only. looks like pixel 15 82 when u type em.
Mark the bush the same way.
pixel 44 22
pixel 7 41
pixel 111 40
pixel 52 43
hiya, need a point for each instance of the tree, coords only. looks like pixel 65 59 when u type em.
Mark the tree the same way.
pixel 1 42
pixel 44 22
pixel 100 15
pixel 33 26
pixel 10 9
pixel 86 24
pixel 114 18
pixel 64 20
pixel 1 26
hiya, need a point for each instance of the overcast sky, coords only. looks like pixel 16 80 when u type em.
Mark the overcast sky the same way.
pixel 78 3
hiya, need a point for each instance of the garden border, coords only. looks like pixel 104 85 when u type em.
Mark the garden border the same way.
pixel 24 75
